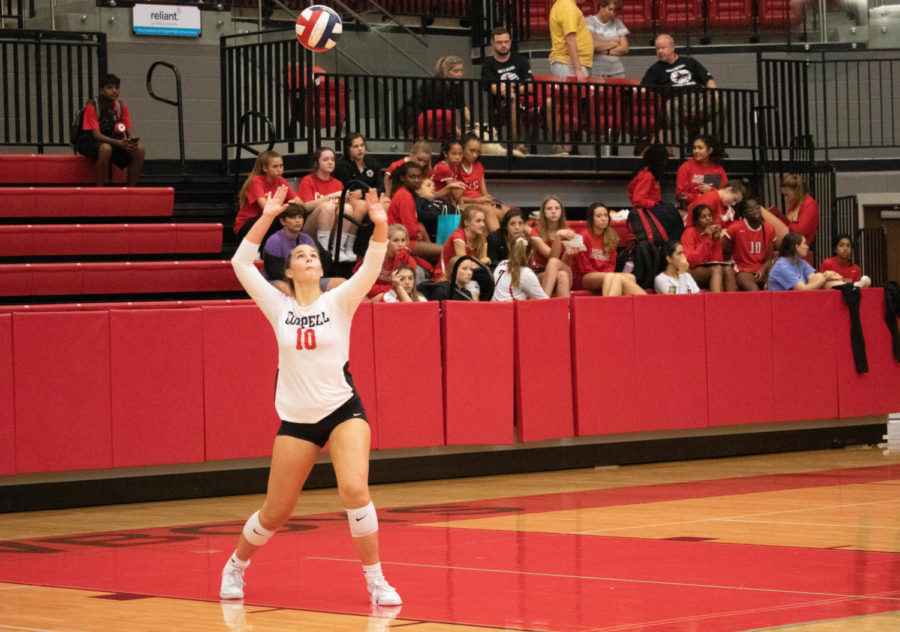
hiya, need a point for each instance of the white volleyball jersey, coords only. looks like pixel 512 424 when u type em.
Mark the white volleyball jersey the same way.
pixel 313 341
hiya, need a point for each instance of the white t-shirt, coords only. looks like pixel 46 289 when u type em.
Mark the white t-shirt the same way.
pixel 606 65
pixel 684 284
pixel 313 341
pixel 529 285
pixel 391 297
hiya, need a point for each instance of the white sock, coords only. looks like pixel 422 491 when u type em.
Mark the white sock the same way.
pixel 241 564
pixel 373 573
pixel 323 236
pixel 347 241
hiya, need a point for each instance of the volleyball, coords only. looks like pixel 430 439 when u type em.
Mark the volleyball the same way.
pixel 318 28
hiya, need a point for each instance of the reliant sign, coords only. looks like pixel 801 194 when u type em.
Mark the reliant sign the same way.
pixel 162 19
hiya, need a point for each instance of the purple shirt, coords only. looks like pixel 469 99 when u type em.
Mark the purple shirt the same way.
pixel 278 247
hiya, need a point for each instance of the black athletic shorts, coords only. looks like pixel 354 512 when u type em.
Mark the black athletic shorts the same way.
pixel 319 432
pixel 89 146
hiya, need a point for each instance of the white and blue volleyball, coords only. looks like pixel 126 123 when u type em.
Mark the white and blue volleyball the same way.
pixel 318 28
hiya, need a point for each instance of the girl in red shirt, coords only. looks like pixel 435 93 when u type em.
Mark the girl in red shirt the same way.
pixel 549 259
pixel 644 190
pixel 445 174
pixel 802 215
pixel 402 210
pixel 471 174
pixel 595 267
pixel 689 181
pixel 469 239
pixel 265 177
pixel 397 255
pixel 420 153
pixel 842 262
pixel 702 244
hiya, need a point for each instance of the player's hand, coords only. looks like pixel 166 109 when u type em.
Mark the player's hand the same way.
pixel 565 234
pixel 376 209
pixel 275 203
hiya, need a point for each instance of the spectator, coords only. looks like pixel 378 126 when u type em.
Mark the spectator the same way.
pixel 420 153
pixel 802 213
pixel 512 226
pixel 403 290
pixel 571 44
pixel 721 201
pixel 462 287
pixel 265 177
pixel 402 210
pixel 471 174
pixel 446 172
pixel 675 279
pixel 443 93
pixel 610 40
pixel 792 272
pixel 469 239
pixel 429 206
pixel 508 100
pixel 513 279
pixel 750 241
pixel 549 259
pixel 356 169
pixel 842 262
pixel 703 248
pixel 278 246
pixel 106 134
pixel 595 266
pixel 397 254
pixel 701 173
pixel 644 190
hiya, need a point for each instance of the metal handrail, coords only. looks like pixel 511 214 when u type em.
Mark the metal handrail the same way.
pixel 177 103
pixel 245 118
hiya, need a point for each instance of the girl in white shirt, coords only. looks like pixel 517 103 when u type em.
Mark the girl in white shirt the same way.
pixel 675 279
pixel 314 395
pixel 513 279
pixel 403 279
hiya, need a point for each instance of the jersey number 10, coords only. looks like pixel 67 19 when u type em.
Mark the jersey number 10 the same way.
pixel 306 339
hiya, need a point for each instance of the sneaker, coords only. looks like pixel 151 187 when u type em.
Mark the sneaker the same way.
pixel 232 582
pixel 518 153
pixel 348 255
pixel 864 281
pixel 383 594
pixel 559 150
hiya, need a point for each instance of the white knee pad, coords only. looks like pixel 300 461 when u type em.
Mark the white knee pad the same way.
pixel 363 521
pixel 255 533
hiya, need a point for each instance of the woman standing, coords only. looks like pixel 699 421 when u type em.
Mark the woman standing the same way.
pixel 314 395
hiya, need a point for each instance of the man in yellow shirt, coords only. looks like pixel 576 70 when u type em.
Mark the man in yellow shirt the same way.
pixel 572 47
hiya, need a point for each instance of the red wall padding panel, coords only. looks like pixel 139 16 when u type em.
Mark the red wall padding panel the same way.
pixel 603 364
pixel 240 361
pixel 543 370
pixel 478 373
pixel 157 386
pixel 409 378
pixel 739 358
pixel 805 329
pixel 670 349
pixel 877 391
pixel 362 364
pixel 7 409
pixel 62 391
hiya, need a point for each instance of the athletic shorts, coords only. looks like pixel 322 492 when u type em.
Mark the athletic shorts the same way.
pixel 89 146
pixel 319 432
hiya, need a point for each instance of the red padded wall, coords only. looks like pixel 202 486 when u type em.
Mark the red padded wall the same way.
pixel 478 372
pixel 62 391
pixel 739 358
pixel 543 370
pixel 409 379
pixel 670 349
pixel 806 327
pixel 603 362
pixel 362 364
pixel 157 386
pixel 240 361
pixel 7 408
pixel 877 391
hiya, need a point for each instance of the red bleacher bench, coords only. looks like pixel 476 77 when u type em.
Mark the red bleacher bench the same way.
pixel 109 239
pixel 28 202
pixel 50 169
pixel 83 307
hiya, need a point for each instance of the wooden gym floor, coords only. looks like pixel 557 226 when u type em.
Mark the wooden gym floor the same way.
pixel 800 542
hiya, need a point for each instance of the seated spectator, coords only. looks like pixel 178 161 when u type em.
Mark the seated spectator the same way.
pixel 429 207
pixel 721 201
pixel 549 260
pixel 471 174
pixel 402 210
pixel 462 287
pixel 594 267
pixel 701 173
pixel 510 101
pixel 397 254
pixel 446 172
pixel 842 263
pixel 802 213
pixel 675 279
pixel 420 153
pixel 703 248
pixel 106 134
pixel 467 240
pixel 265 177
pixel 512 226
pixel 356 169
pixel 513 279
pixel 446 94
pixel 792 272
pixel 403 290
pixel 610 40
pixel 750 242
pixel 278 246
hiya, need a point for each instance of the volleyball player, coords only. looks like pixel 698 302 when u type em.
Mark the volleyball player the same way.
pixel 314 395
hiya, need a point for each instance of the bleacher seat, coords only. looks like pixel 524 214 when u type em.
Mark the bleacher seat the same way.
pixel 637 15
pixel 25 202
pixel 103 306
pixel 50 169
pixel 686 15
pixel 730 14
pixel 109 239
pixel 776 13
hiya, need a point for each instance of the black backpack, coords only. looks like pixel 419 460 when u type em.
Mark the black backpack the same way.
pixel 645 256
pixel 106 127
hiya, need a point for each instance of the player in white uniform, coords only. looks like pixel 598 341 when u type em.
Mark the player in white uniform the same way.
pixel 314 395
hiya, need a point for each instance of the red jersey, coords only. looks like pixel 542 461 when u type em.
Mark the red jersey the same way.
pixel 850 274
pixel 402 210
pixel 384 283
pixel 90 122
pixel 807 222
pixel 472 179
pixel 699 248
pixel 442 269
pixel 643 190
pixel 690 176
pixel 751 245
pixel 594 259
pixel 722 215
pixel 259 186
pixel 312 187
pixel 538 261
pixel 426 173
pixel 443 175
